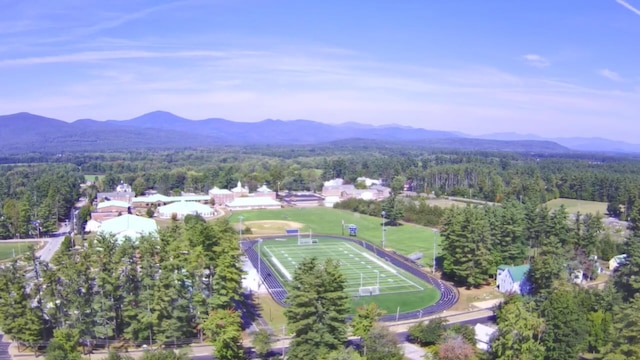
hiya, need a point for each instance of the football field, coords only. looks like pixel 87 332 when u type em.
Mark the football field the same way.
pixel 366 273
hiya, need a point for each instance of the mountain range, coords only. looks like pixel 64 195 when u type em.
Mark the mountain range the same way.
pixel 25 132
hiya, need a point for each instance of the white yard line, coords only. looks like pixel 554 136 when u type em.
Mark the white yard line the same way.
pixel 385 266
pixel 279 265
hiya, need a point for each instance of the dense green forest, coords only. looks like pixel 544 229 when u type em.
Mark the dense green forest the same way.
pixel 160 289
pixel 42 188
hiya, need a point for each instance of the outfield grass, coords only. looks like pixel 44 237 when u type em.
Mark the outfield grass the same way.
pixel 360 267
pixel 405 239
pixel 7 249
pixel 583 206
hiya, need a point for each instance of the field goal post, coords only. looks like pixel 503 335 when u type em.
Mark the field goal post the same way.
pixel 303 239
pixel 369 290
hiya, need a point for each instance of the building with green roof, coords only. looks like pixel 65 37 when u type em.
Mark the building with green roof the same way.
pixel 513 279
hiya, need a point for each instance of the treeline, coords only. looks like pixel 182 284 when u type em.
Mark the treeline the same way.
pixel 489 176
pixel 476 240
pixel 34 198
pixel 414 210
pixel 159 289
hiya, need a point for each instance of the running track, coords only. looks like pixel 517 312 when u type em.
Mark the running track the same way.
pixel 448 294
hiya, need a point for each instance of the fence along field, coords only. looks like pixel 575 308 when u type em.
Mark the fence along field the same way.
pixel 369 278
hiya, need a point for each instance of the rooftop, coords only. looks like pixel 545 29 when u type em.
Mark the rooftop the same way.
pixel 117 203
pixel 129 225
pixel 253 201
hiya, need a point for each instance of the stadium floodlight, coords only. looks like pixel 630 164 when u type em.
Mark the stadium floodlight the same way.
pixel 435 237
pixel 383 229
pixel 240 218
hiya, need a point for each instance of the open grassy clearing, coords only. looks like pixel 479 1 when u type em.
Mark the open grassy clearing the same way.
pixel 361 269
pixel 7 250
pixel 272 313
pixel 405 239
pixel 583 206
pixel 92 177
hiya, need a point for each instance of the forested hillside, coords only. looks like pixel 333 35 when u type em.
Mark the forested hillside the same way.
pixel 490 176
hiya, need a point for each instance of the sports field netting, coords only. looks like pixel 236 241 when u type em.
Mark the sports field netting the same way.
pixel 361 268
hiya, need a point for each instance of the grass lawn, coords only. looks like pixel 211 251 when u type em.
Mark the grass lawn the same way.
pixel 272 313
pixel 7 249
pixel 405 239
pixel 93 177
pixel 573 206
pixel 360 267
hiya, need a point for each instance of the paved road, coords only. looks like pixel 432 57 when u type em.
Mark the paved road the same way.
pixel 53 244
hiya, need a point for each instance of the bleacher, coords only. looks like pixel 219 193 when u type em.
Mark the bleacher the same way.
pixel 448 294
pixel 275 288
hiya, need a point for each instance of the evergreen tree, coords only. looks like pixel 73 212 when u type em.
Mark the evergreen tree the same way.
pixel 566 326
pixel 627 276
pixel 626 334
pixel 224 329
pixel 547 266
pixel 519 333
pixel 318 307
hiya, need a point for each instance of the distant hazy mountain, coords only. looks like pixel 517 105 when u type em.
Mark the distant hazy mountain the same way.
pixel 24 132
pixel 592 144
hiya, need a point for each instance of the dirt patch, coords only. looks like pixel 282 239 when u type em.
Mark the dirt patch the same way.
pixel 470 296
pixel 264 227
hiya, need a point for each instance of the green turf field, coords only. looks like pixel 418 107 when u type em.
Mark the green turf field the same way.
pixel 369 278
pixel 583 206
pixel 7 249
pixel 405 239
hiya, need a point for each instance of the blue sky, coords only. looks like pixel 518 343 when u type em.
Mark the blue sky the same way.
pixel 547 67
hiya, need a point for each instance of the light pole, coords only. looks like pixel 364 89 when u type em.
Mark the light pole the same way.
pixel 240 218
pixel 378 278
pixel 383 229
pixel 435 237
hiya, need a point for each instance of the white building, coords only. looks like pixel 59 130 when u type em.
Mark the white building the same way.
pixel 239 191
pixel 513 279
pixel 617 261
pixel 484 335
pixel 184 208
pixel 252 203
pixel 129 226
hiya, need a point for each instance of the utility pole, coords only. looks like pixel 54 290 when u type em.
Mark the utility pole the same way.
pixel 240 218
pixel 383 229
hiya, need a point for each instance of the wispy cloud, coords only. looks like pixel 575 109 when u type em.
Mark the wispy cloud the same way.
pixel 629 6
pixel 93 56
pixel 536 60
pixel 611 75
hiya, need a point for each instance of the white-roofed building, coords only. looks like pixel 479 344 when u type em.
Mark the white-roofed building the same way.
pixel 484 335
pixel 129 226
pixel 264 191
pixel 92 226
pixel 159 200
pixel 220 196
pixel 252 203
pixel 239 191
pixel 113 206
pixel 184 208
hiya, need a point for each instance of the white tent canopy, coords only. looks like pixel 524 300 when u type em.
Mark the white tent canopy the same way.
pixel 184 208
